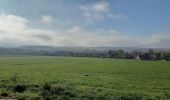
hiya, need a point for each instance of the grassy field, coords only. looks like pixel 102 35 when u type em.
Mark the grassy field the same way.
pixel 40 77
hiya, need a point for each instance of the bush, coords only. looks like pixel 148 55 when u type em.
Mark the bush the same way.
pixel 19 88
pixel 4 94
pixel 22 98
pixel 51 92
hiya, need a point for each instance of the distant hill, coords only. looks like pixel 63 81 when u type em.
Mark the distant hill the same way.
pixel 65 51
pixel 79 49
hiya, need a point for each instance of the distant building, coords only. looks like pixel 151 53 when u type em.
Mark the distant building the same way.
pixel 138 57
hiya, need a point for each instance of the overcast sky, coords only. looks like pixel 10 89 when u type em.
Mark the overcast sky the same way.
pixel 135 23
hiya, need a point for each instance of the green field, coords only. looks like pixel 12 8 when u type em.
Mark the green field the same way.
pixel 40 77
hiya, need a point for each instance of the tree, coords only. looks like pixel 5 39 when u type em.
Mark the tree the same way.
pixel 151 54
pixel 163 55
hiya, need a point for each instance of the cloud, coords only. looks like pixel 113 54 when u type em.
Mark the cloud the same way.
pixel 16 30
pixel 12 24
pixel 47 19
pixel 156 40
pixel 80 37
pixel 99 11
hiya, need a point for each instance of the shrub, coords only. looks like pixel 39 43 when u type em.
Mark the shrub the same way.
pixel 4 94
pixel 52 92
pixel 19 88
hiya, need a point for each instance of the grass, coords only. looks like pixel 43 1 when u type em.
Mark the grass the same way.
pixel 62 78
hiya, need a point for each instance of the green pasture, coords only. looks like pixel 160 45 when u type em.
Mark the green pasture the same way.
pixel 75 78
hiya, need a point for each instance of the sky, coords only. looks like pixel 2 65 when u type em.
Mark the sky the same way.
pixel 85 23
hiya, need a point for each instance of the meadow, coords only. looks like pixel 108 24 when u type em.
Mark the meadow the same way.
pixel 75 78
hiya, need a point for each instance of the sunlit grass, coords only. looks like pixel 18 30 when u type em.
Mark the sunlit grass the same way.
pixel 88 78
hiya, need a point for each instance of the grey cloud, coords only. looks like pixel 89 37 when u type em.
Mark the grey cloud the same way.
pixel 44 37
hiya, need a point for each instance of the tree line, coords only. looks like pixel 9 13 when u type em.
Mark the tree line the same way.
pixel 152 55
pixel 139 55
pixel 121 54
